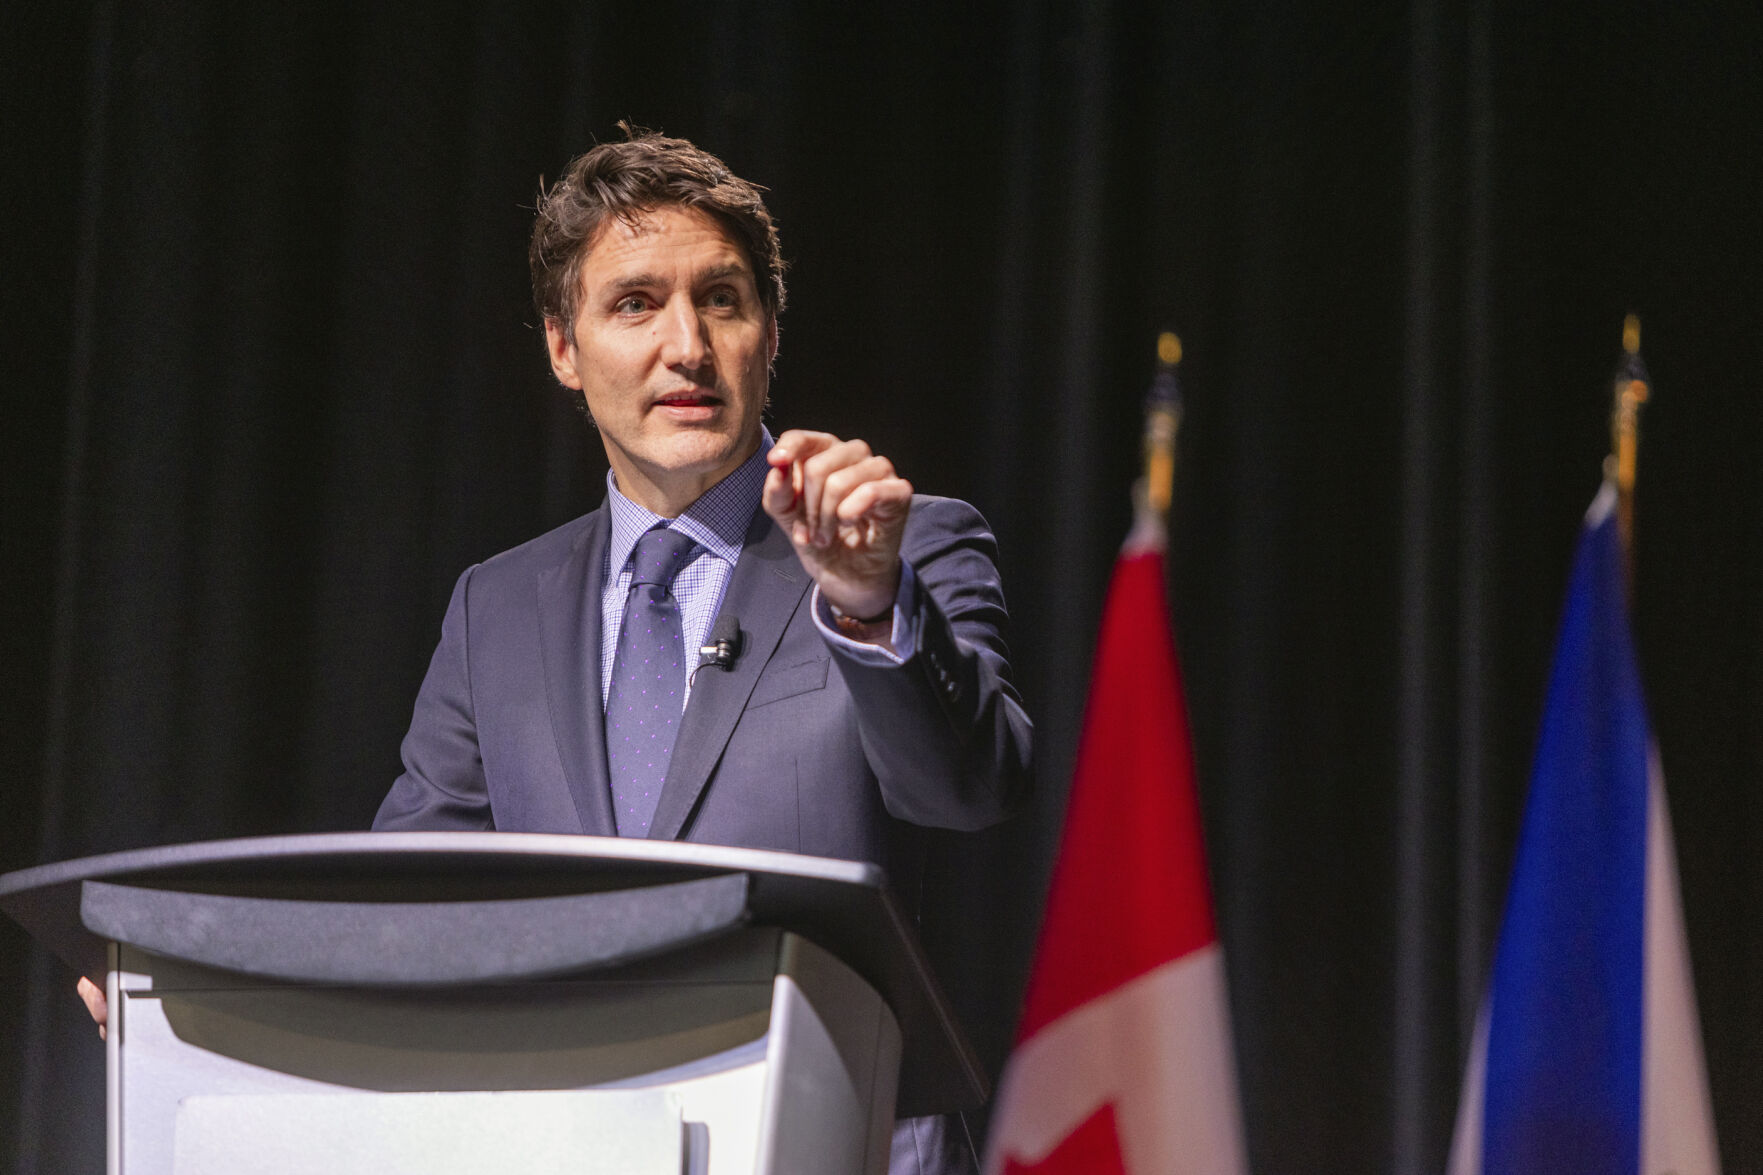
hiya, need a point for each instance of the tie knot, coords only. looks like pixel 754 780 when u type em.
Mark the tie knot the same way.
pixel 660 554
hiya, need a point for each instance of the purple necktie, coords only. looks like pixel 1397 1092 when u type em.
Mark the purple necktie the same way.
pixel 648 680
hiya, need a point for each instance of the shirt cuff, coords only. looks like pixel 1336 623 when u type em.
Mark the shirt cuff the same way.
pixel 905 636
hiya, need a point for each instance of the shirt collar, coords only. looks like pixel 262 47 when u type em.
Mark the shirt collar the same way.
pixel 718 520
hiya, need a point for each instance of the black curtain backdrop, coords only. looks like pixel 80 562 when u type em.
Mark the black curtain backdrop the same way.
pixel 272 382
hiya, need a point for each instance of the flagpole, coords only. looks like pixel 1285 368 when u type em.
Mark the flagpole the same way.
pixel 1630 390
pixel 1163 412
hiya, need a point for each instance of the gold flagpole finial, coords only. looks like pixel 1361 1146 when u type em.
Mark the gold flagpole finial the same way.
pixel 1629 391
pixel 1169 348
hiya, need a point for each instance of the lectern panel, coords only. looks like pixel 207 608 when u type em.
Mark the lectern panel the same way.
pixel 601 1132
pixel 778 1058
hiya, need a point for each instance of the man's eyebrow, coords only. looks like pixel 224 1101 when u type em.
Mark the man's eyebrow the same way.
pixel 634 281
pixel 726 270
pixel 648 281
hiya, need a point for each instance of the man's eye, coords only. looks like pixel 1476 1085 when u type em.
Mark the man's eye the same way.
pixel 632 305
pixel 724 299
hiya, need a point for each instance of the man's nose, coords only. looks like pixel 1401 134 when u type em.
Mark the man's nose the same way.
pixel 684 342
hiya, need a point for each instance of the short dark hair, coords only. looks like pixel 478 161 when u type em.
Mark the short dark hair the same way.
pixel 645 172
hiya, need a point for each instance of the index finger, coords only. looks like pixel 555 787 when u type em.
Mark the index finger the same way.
pixel 781 495
pixel 798 444
pixel 788 451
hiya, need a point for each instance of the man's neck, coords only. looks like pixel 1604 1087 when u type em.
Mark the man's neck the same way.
pixel 671 493
pixel 671 496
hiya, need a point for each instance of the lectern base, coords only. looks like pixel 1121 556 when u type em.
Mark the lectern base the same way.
pixel 755 1053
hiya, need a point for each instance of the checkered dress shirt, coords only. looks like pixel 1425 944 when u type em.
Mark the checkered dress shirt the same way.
pixel 718 521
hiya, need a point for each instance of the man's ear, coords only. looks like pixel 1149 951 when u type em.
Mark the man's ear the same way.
pixel 560 348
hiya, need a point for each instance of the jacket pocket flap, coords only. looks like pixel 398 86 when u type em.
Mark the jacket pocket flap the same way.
pixel 775 685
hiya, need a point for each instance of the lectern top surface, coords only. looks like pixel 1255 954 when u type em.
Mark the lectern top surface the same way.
pixel 341 855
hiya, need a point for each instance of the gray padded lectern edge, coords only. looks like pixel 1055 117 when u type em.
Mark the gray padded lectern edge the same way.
pixel 478 1002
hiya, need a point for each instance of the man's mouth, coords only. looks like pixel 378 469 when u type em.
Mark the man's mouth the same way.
pixel 692 399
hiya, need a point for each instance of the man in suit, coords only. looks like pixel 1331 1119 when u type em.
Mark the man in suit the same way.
pixel 869 696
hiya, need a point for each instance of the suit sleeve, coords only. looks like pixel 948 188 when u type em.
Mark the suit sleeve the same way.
pixel 945 732
pixel 442 787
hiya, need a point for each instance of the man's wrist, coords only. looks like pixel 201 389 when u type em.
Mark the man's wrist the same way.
pixel 843 617
pixel 868 630
pixel 891 633
pixel 867 606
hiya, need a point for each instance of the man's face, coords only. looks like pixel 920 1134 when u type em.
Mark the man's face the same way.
pixel 672 350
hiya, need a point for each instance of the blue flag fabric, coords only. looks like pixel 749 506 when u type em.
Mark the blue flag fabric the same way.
pixel 1563 1084
pixel 1587 1056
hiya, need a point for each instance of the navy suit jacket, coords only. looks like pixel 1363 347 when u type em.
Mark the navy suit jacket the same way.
pixel 797 747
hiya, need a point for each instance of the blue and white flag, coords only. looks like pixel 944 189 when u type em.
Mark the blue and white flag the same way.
pixel 1587 1058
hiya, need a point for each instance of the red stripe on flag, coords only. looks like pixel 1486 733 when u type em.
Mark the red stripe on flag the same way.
pixel 1129 889
pixel 1092 1149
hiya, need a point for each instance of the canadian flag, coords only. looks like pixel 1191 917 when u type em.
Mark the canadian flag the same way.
pixel 1123 1060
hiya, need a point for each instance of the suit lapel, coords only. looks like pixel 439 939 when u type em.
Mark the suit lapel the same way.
pixel 569 640
pixel 764 592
